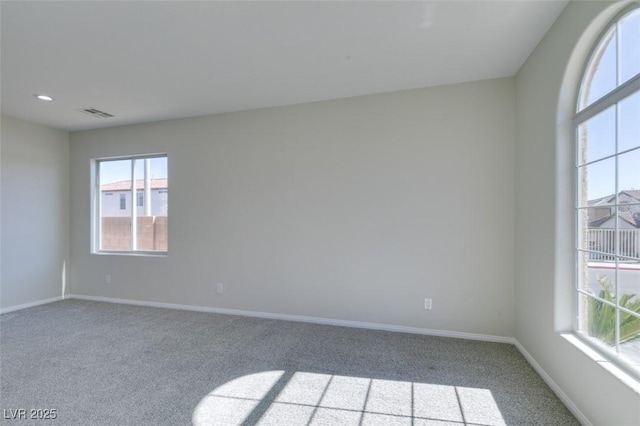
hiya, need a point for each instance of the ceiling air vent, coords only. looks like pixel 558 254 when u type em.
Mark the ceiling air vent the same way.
pixel 95 112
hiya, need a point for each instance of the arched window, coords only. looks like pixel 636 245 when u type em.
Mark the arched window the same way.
pixel 607 124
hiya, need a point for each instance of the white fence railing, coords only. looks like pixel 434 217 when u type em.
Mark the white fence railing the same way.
pixel 604 241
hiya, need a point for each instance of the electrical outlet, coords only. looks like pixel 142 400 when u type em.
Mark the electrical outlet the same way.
pixel 219 288
pixel 107 279
pixel 428 303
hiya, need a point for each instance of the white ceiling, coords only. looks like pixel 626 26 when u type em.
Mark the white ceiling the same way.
pixel 148 61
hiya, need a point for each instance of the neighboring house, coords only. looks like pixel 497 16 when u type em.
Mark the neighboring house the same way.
pixel 116 198
pixel 602 225
pixel 601 211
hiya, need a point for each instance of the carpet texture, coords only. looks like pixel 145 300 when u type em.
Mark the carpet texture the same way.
pixel 109 364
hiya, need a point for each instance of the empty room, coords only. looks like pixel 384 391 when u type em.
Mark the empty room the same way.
pixel 320 213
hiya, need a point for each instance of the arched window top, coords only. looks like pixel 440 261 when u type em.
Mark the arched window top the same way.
pixel 615 60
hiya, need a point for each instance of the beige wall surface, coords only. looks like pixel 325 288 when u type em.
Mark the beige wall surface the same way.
pixel 354 209
pixel 35 212
pixel 546 90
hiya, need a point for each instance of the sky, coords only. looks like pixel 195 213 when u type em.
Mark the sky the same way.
pixel 119 170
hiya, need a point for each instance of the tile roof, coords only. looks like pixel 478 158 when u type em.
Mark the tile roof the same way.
pixel 599 201
pixel 611 199
pixel 633 218
pixel 125 185
pixel 635 193
pixel 597 222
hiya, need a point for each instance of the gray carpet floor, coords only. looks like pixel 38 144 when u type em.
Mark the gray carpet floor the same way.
pixel 109 364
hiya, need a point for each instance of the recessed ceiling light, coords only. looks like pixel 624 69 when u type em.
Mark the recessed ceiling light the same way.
pixel 44 97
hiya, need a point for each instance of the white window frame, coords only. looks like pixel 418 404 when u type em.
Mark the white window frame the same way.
pixel 612 98
pixel 96 222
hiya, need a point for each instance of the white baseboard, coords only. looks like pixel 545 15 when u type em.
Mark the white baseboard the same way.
pixel 29 305
pixel 300 318
pixel 554 386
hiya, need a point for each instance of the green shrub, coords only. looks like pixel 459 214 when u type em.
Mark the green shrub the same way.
pixel 602 316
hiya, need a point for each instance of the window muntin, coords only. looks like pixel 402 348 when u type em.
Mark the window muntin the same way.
pixel 608 195
pixel 145 216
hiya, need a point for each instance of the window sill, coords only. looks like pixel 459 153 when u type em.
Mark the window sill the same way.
pixel 132 253
pixel 617 371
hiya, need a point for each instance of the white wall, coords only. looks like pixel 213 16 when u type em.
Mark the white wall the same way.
pixel 544 262
pixel 35 212
pixel 351 209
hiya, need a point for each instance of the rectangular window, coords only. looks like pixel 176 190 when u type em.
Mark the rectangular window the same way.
pixel 136 226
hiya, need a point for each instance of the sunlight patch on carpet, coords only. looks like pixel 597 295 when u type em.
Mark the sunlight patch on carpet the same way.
pixel 302 398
